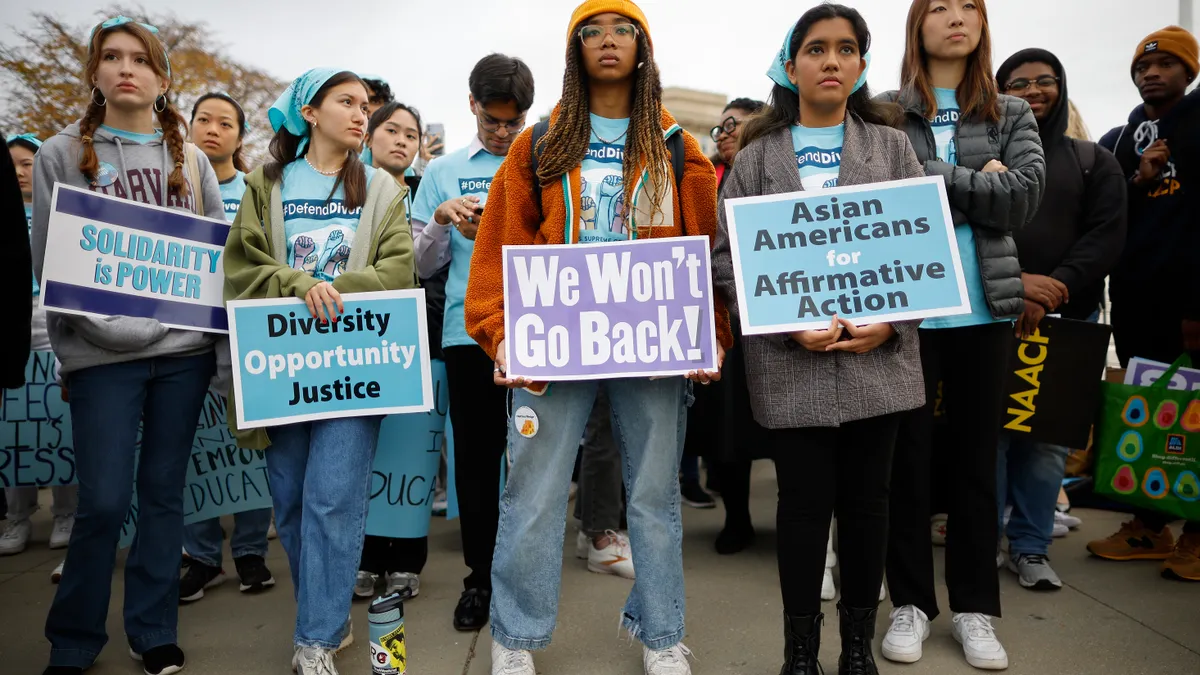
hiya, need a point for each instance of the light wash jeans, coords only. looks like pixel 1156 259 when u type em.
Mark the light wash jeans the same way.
pixel 23 501
pixel 1028 476
pixel 163 396
pixel 203 540
pixel 649 417
pixel 320 484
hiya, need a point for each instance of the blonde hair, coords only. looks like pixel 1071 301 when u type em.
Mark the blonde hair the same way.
pixel 1075 126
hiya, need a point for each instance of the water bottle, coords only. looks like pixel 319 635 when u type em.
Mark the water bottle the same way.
pixel 388 655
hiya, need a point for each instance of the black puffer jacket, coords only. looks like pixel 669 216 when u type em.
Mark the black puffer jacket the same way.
pixel 995 204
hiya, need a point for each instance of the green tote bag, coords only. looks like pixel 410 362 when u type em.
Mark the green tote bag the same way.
pixel 1148 446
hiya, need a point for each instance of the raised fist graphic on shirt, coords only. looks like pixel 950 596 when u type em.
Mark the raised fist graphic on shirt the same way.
pixel 338 259
pixel 331 244
pixel 303 246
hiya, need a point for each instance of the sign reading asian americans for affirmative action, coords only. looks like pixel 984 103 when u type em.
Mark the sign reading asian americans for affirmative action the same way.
pixel 114 257
pixel 608 310
pixel 373 359
pixel 869 253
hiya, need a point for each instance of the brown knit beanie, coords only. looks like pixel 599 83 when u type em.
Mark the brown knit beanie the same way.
pixel 1174 41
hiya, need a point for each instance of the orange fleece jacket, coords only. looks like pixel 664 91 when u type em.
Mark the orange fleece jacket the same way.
pixel 512 218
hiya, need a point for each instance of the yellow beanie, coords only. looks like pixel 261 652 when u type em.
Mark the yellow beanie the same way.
pixel 1174 41
pixel 594 7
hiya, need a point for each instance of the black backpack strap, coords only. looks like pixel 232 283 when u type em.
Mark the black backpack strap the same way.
pixel 1086 151
pixel 539 130
pixel 678 160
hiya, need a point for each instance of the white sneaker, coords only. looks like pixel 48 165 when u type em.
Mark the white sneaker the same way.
pixel 979 642
pixel 507 661
pixel 364 584
pixel 1066 519
pixel 60 536
pixel 56 575
pixel 406 584
pixel 669 661
pixel 1060 531
pixel 937 529
pixel 910 627
pixel 15 537
pixel 615 559
pixel 582 544
pixel 314 661
pixel 828 590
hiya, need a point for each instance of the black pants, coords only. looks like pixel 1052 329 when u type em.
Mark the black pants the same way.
pixel 971 363
pixel 478 412
pixel 384 555
pixel 735 489
pixel 824 471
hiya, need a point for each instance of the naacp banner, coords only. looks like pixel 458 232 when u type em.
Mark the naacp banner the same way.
pixel 372 359
pixel 114 257
pixel 608 310
pixel 872 253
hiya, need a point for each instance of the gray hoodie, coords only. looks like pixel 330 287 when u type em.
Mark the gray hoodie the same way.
pixel 133 171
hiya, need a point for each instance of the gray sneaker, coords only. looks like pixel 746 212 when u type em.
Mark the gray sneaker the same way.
pixel 1034 572
pixel 364 584
pixel 407 585
pixel 314 661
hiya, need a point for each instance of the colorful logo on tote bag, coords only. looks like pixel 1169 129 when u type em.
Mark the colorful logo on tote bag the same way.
pixel 1135 413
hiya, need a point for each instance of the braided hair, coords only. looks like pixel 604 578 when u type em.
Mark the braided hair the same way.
pixel 566 142
pixel 172 123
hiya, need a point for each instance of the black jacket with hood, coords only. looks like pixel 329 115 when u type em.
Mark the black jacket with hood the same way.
pixel 1079 230
pixel 19 314
pixel 1157 271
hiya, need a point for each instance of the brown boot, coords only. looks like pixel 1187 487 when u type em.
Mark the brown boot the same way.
pixel 1184 563
pixel 1134 542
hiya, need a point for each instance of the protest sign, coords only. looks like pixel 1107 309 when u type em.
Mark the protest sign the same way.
pixel 872 253
pixel 1144 372
pixel 607 310
pixel 36 446
pixel 1052 387
pixel 221 477
pixel 288 367
pixel 114 257
pixel 406 464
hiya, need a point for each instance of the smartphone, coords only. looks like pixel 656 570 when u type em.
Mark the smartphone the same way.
pixel 438 129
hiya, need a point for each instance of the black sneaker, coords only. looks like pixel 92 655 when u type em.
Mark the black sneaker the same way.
pixel 473 609
pixel 162 660
pixel 695 496
pixel 253 572
pixel 196 578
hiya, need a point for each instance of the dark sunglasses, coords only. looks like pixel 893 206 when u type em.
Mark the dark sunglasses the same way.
pixel 728 127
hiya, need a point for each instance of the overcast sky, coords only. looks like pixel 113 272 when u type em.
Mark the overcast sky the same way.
pixel 426 48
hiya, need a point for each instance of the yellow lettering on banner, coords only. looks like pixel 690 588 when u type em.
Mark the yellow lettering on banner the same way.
pixel 1021 353
pixel 1019 416
pixel 1032 376
pixel 1025 398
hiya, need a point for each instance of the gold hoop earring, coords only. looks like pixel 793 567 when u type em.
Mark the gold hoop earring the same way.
pixel 102 102
pixel 163 98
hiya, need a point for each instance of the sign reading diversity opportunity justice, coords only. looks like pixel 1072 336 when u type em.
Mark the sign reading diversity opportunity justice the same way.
pixel 621 309
pixel 107 256
pixel 874 253
pixel 373 359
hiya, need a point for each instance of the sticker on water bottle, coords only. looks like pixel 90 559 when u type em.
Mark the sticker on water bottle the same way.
pixel 390 657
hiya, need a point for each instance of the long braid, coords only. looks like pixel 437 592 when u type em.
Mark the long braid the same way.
pixel 89 163
pixel 565 144
pixel 645 148
pixel 173 128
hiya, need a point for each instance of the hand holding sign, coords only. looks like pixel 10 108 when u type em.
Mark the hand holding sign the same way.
pixel 324 298
pixel 500 373
pixel 819 340
pixel 862 338
pixel 1047 291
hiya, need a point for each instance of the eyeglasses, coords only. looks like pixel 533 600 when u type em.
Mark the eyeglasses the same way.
pixel 492 126
pixel 623 34
pixel 1043 82
pixel 727 127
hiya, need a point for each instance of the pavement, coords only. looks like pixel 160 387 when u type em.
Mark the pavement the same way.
pixel 1111 617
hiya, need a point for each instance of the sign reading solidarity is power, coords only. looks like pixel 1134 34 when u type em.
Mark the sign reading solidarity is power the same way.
pixel 114 257
pixel 608 310
pixel 373 359
pixel 871 253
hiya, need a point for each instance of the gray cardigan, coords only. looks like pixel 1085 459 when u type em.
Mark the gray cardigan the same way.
pixel 789 385
pixel 995 204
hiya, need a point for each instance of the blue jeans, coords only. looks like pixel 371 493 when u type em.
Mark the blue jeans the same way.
pixel 108 403
pixel 203 540
pixel 320 484
pixel 1028 476
pixel 649 417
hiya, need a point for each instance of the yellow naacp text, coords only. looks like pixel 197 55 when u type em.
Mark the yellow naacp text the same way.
pixel 1027 399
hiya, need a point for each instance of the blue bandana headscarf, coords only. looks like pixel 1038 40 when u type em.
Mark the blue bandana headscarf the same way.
pixel 285 112
pixel 778 70
pixel 26 138
pixel 121 21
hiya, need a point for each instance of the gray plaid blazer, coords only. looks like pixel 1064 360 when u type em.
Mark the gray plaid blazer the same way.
pixel 789 385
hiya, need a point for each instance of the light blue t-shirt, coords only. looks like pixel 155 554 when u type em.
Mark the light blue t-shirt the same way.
pixel 945 126
pixel 29 223
pixel 465 172
pixel 133 136
pixel 231 194
pixel 319 229
pixel 603 184
pixel 818 154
